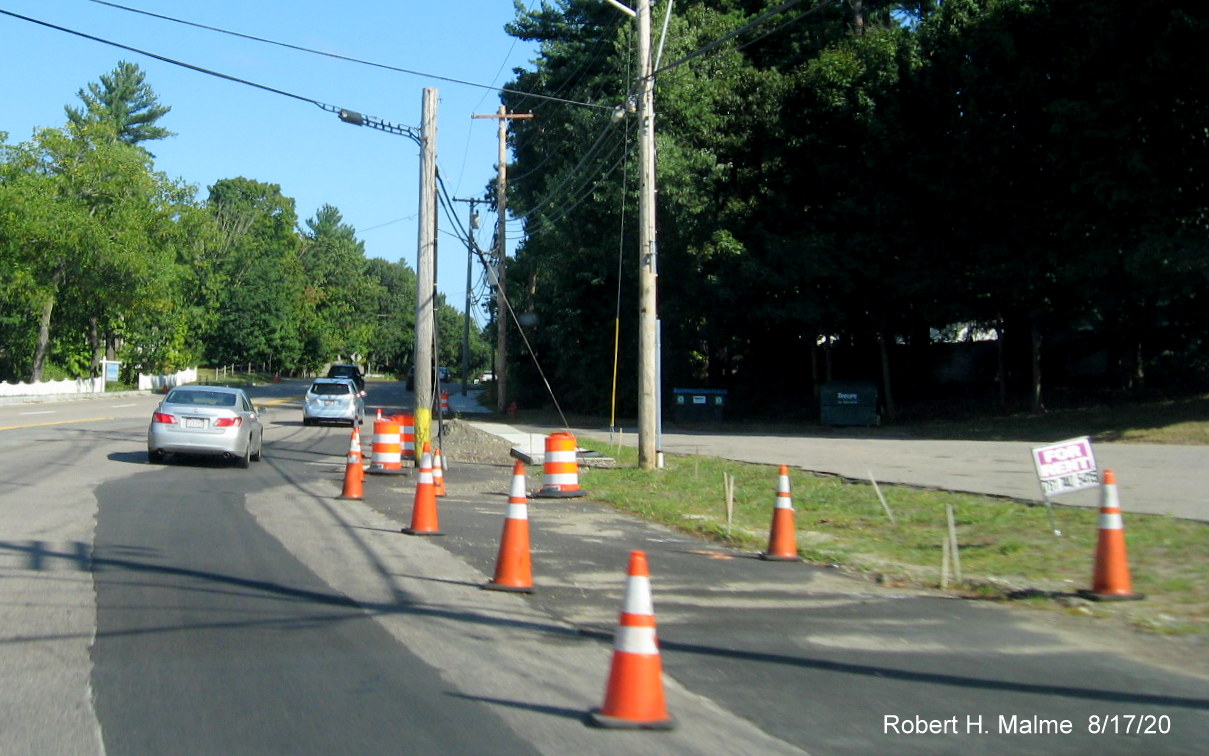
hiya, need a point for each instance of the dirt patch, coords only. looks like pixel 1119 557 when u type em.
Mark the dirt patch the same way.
pixel 462 442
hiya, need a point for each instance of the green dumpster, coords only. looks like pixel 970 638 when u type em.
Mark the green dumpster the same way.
pixel 849 403
pixel 699 405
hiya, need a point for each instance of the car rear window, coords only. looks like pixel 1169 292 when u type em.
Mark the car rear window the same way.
pixel 334 389
pixel 204 398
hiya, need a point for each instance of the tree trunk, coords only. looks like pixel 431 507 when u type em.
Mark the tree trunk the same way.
pixel 1001 365
pixel 43 340
pixel 48 309
pixel 858 16
pixel 883 340
pixel 94 339
pixel 1038 405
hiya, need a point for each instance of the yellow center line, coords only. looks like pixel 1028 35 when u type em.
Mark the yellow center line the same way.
pixel 55 422
pixel 274 402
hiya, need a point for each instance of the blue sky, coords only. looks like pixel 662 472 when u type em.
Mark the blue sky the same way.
pixel 226 129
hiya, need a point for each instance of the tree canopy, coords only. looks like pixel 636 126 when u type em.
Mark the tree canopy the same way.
pixel 101 256
pixel 843 189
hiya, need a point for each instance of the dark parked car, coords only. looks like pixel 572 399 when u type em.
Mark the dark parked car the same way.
pixel 348 371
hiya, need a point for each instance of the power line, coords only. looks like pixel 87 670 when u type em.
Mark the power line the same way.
pixel 346 58
pixel 579 196
pixel 734 33
pixel 591 151
pixel 164 59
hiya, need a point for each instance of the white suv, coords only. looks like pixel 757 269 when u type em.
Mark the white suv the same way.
pixel 333 400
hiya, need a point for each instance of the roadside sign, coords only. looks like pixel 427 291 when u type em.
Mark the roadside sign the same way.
pixel 1066 466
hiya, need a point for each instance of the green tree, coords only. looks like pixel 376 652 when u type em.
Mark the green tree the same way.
pixel 333 260
pixel 391 302
pixel 124 103
pixel 260 285
pixel 83 225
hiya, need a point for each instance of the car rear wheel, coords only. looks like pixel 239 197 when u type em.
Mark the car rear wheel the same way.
pixel 155 456
pixel 246 459
pixel 259 451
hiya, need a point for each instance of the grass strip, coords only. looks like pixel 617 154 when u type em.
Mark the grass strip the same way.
pixel 1006 546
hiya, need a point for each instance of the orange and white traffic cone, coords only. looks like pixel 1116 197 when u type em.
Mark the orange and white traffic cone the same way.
pixel 438 473
pixel 560 479
pixel 783 536
pixel 424 519
pixel 634 693
pixel 1110 579
pixel 354 473
pixel 513 567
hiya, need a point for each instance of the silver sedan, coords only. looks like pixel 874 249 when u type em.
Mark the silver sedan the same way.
pixel 206 420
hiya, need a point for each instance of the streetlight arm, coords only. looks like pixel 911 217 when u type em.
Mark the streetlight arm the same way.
pixel 373 122
pixel 623 8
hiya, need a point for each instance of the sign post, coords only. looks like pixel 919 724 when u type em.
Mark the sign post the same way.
pixel 1064 467
pixel 109 373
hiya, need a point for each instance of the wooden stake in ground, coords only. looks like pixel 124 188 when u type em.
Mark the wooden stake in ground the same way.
pixel 882 499
pixel 944 562
pixel 953 542
pixel 728 490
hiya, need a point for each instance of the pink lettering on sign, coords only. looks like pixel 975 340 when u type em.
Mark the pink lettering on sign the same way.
pixel 1066 466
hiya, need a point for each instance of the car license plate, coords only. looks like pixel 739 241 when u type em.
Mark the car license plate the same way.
pixel 328 402
pixel 195 422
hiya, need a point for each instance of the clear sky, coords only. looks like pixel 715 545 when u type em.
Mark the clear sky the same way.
pixel 226 129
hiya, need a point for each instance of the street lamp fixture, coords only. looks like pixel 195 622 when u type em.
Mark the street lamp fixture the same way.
pixel 374 122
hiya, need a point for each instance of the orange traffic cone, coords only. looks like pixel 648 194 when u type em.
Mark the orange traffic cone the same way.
pixel 634 694
pixel 424 512
pixel 1110 580
pixel 438 474
pixel 783 537
pixel 513 568
pixel 354 473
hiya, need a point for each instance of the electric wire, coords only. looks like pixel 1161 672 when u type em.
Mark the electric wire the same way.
pixel 447 200
pixel 346 58
pixel 565 209
pixel 164 59
pixel 732 34
pixel 591 151
pixel 584 187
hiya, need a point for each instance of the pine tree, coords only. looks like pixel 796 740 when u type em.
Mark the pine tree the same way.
pixel 123 101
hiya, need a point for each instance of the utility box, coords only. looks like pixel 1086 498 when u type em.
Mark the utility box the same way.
pixel 699 405
pixel 849 403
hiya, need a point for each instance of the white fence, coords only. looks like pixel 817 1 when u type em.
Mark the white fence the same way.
pixel 53 388
pixel 160 381
pixel 84 386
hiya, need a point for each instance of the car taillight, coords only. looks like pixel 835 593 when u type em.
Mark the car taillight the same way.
pixel 163 417
pixel 228 422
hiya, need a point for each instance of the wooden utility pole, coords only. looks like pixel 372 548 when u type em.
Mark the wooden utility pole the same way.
pixel 501 247
pixel 470 250
pixel 426 271
pixel 648 317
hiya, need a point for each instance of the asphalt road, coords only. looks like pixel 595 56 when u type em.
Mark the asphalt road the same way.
pixel 198 608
